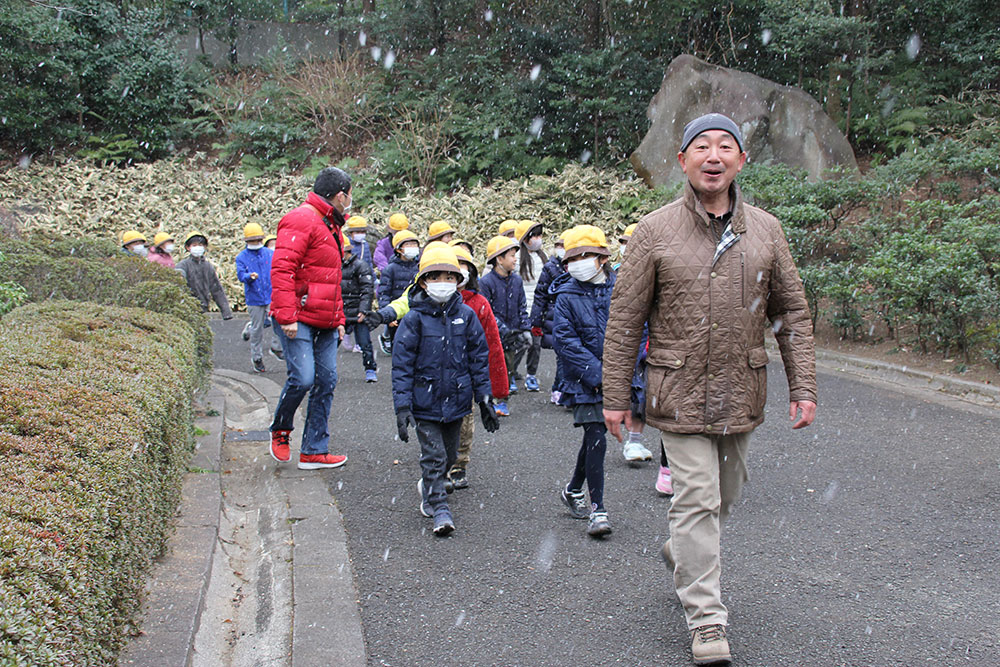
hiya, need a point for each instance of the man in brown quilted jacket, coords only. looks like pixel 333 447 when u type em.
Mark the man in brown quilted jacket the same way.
pixel 709 273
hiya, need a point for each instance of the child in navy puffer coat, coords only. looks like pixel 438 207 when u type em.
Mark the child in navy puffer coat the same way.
pixel 440 366
pixel 583 299
pixel 543 309
pixel 396 277
pixel 505 292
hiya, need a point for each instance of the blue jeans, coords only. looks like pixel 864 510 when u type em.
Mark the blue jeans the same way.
pixel 311 359
pixel 362 336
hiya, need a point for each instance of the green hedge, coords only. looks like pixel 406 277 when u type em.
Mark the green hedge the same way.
pixel 95 432
pixel 51 266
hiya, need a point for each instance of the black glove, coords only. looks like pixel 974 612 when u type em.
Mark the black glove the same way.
pixel 489 416
pixel 403 420
pixel 373 318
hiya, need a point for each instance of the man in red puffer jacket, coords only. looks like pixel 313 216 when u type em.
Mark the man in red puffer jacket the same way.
pixel 308 314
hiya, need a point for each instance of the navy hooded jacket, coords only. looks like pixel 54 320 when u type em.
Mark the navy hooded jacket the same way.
pixel 542 309
pixel 440 361
pixel 395 279
pixel 506 297
pixel 581 316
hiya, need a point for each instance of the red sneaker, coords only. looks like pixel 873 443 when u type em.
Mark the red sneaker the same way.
pixel 279 446
pixel 315 461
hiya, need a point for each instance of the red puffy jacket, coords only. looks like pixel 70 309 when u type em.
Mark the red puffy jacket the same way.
pixel 305 269
pixel 498 365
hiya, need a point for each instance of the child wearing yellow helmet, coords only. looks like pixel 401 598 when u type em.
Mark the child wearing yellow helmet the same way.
pixel 440 367
pixel 530 261
pixel 396 277
pixel 383 249
pixel 253 269
pixel 583 301
pixel 542 309
pixel 200 275
pixel 503 288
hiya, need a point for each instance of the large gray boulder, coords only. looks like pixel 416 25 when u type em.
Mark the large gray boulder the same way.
pixel 779 123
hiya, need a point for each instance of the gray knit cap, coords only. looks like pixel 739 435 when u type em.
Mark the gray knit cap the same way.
pixel 710 121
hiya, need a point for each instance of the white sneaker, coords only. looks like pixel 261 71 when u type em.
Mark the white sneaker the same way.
pixel 634 451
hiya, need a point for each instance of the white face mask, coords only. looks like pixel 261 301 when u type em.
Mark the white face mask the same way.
pixel 168 248
pixel 255 246
pixel 411 253
pixel 534 244
pixel 465 276
pixel 441 292
pixel 583 269
pixel 560 251
pixel 621 250
pixel 140 250
pixel 358 238
pixel 197 250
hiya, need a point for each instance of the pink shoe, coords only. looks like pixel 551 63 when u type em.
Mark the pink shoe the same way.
pixel 556 397
pixel 664 486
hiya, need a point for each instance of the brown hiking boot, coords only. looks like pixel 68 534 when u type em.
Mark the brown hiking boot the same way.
pixel 709 645
pixel 668 557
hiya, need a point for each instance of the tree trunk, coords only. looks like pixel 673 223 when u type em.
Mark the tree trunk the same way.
pixel 341 31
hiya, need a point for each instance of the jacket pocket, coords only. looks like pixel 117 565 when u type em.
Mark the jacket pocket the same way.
pixel 666 384
pixel 320 298
pixel 423 394
pixel 757 381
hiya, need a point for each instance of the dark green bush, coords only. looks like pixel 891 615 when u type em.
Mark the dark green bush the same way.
pixel 57 267
pixel 95 430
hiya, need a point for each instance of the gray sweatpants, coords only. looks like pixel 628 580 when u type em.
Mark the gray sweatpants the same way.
pixel 258 315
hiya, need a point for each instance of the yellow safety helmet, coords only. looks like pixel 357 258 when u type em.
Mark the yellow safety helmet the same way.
pixel 462 243
pixel 398 222
pixel 270 238
pixel 192 235
pixel 346 241
pixel 399 238
pixel 131 236
pixel 627 234
pixel 583 239
pixel 438 229
pixel 253 232
pixel 498 245
pixel 506 227
pixel 357 223
pixel 523 229
pixel 562 237
pixel 463 254
pixel 438 257
pixel 161 238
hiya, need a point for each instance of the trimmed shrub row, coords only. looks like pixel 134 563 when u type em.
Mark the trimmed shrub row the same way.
pixel 95 432
pixel 51 266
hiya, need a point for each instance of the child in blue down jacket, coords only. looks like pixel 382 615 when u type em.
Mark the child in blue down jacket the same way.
pixel 503 288
pixel 543 308
pixel 396 277
pixel 583 299
pixel 253 268
pixel 440 366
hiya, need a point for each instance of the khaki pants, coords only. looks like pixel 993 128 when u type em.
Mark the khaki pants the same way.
pixel 708 476
pixel 465 442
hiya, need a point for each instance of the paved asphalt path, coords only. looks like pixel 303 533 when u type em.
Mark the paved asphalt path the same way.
pixel 867 539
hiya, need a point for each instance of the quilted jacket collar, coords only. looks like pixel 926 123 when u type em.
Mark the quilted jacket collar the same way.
pixel 738 221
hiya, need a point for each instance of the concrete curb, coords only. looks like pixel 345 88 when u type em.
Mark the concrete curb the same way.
pixel 978 393
pixel 179 579
pixel 324 597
